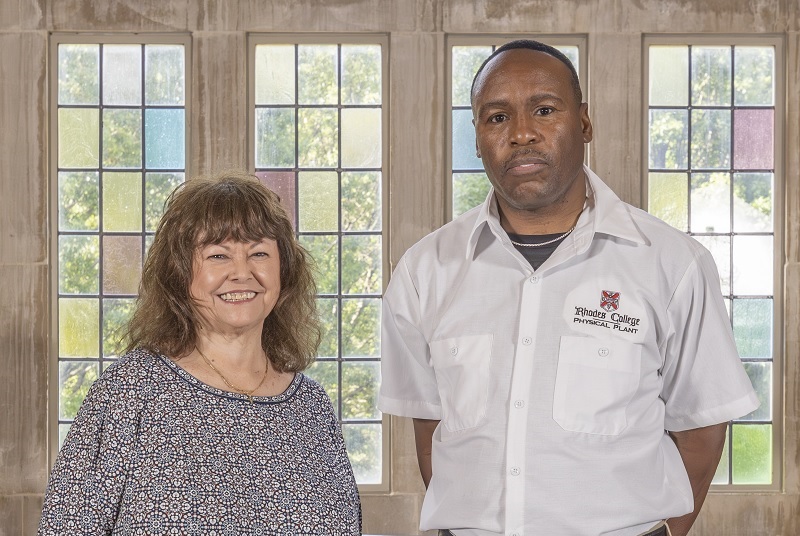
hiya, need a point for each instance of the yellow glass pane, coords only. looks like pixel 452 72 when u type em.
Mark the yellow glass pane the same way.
pixel 318 200
pixel 78 327
pixel 669 198
pixel 122 264
pixel 669 76
pixel 361 138
pixel 122 202
pixel 78 138
pixel 275 74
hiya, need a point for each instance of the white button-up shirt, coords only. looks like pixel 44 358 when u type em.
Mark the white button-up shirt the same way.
pixel 555 389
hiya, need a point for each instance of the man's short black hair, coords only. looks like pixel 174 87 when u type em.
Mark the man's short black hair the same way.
pixel 530 44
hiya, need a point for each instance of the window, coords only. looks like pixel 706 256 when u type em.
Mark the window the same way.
pixel 119 132
pixel 714 171
pixel 318 136
pixel 469 185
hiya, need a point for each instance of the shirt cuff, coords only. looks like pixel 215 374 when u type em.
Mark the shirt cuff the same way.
pixel 409 408
pixel 717 415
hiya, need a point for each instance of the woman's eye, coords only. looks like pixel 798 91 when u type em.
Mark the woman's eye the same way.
pixel 260 254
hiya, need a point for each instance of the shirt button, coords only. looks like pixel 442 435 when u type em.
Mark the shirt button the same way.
pixel 603 352
pixel 534 279
pixel 515 471
pixel 519 404
pixel 514 534
pixel 526 341
pixel 454 350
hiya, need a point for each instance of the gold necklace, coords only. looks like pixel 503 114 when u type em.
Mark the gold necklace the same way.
pixel 248 394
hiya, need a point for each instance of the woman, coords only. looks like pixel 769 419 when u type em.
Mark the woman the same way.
pixel 206 425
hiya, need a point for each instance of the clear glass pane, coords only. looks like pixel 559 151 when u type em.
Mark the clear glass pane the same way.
pixel 752 327
pixel 317 71
pixel 669 76
pixel 116 313
pixel 78 327
pixel 361 327
pixel 274 74
pixel 710 201
pixel 282 183
pixel 464 148
pixel 752 454
pixel 753 202
pixel 74 380
pixel 326 373
pixel 78 269
pixel 760 375
pixel 122 75
pixel 317 137
pixel 365 450
pixel 466 61
pixel 361 201
pixel 158 186
pixel 122 138
pixel 122 202
pixel 361 74
pixel 752 265
pixel 720 248
pixel 275 137
pixel 78 74
pixel 360 383
pixel 668 198
pixel 753 139
pixel 469 190
pixel 721 474
pixel 328 310
pixel 361 138
pixel 78 137
pixel 361 264
pixel 711 139
pixel 318 196
pixel 711 76
pixel 571 52
pixel 754 76
pixel 78 195
pixel 63 430
pixel 164 75
pixel 122 264
pixel 669 130
pixel 165 139
pixel 324 249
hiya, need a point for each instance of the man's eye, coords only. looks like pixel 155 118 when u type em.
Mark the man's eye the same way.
pixel 545 110
pixel 497 118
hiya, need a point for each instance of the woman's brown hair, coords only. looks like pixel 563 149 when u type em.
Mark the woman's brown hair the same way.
pixel 203 211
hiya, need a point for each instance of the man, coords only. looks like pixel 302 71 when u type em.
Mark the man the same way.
pixel 566 357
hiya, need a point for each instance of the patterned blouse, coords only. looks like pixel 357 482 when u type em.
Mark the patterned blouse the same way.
pixel 155 451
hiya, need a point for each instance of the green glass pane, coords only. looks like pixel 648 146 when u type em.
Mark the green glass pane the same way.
pixel 360 383
pixel 116 313
pixel 469 190
pixel 711 139
pixel 74 380
pixel 722 472
pixel 710 201
pixel 324 249
pixel 753 202
pixel 164 75
pixel 78 137
pixel 317 72
pixel 361 264
pixel 165 139
pixel 752 454
pixel 760 375
pixel 466 61
pixel 122 75
pixel 158 186
pixel 327 374
pixel 365 450
pixel 720 248
pixel 361 201
pixel 274 74
pixel 78 194
pixel 78 74
pixel 122 138
pixel 669 131
pixel 361 138
pixel 668 198
pixel 318 201
pixel 78 327
pixel 752 327
pixel 122 202
pixel 328 310
pixel 122 264
pixel 753 261
pixel 669 75
pixel 361 327
pixel 317 137
pixel 78 267
pixel 274 138
pixel 361 74
pixel 754 76
pixel 711 76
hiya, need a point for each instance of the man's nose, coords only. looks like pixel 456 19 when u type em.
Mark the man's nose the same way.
pixel 523 130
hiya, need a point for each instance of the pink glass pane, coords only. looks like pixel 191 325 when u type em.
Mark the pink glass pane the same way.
pixel 753 139
pixel 122 264
pixel 283 184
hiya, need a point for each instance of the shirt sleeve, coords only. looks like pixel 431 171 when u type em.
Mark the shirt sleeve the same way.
pixel 704 381
pixel 408 381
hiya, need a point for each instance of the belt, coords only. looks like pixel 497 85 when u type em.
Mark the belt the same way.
pixel 660 531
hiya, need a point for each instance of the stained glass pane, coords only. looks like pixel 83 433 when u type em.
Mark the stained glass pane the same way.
pixel 282 183
pixel 74 380
pixel 327 374
pixel 78 327
pixel 361 74
pixel 754 78
pixel 324 249
pixel 361 201
pixel 317 137
pixel 669 131
pixel 116 313
pixel 669 76
pixel 122 138
pixel 711 76
pixel 275 137
pixel 164 75
pixel 753 139
pixel 361 138
pixel 711 139
pixel 752 265
pixel 361 327
pixel 360 389
pixel 78 270
pixel 165 136
pixel 720 248
pixel 752 327
pixel 361 264
pixel 466 61
pixel 78 201
pixel 364 449
pixel 317 71
pixel 274 74
pixel 760 375
pixel 122 75
pixel 78 137
pixel 122 264
pixel 122 202
pixel 669 198
pixel 753 202
pixel 319 195
pixel 752 454
pixel 711 203
pixel 158 186
pixel 469 190
pixel 328 310
pixel 78 74
pixel 464 149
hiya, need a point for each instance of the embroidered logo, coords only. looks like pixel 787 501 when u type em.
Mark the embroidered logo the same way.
pixel 610 300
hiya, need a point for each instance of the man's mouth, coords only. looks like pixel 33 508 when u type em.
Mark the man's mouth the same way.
pixel 237 296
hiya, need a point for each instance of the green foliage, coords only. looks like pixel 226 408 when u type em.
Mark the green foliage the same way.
pixel 75 378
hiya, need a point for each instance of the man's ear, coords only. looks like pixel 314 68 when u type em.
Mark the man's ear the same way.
pixel 586 123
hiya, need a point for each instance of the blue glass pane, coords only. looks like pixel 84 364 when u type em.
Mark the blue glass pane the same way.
pixel 464 142
pixel 165 139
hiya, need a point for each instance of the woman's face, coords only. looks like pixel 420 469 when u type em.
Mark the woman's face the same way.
pixel 235 285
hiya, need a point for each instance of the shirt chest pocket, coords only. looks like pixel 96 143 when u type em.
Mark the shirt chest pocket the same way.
pixel 595 382
pixel 461 365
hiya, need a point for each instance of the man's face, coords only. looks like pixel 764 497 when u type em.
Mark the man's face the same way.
pixel 530 131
